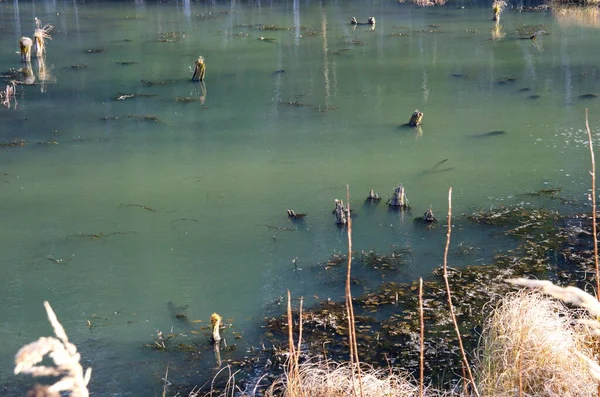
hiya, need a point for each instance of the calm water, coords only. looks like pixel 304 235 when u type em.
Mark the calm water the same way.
pixel 220 174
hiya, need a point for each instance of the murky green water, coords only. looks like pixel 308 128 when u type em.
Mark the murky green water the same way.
pixel 220 173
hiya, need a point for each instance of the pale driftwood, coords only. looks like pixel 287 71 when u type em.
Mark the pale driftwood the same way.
pixel 399 199
pixel 416 118
pixel 340 212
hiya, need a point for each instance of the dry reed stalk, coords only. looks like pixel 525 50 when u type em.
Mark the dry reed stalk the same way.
pixel 354 359
pixel 294 383
pixel 166 383
pixel 422 341
pixel 593 174
pixel 65 357
pixel 449 294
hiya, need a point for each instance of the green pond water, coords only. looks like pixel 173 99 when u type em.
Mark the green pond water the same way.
pixel 217 174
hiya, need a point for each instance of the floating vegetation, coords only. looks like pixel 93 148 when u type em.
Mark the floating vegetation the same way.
pixel 355 42
pixel 529 30
pixel 126 63
pixel 150 83
pixel 385 263
pixel 188 99
pixel 77 67
pixel 171 37
pixel 267 39
pixel 544 192
pixel 523 221
pixel 94 50
pixel 17 142
pixel 110 118
pixel 100 236
pixel 326 109
pixel 145 117
pixel 293 104
pixel 397 34
pixel 122 96
pixel 270 27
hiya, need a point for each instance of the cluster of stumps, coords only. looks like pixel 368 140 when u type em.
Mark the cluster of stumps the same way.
pixel 398 201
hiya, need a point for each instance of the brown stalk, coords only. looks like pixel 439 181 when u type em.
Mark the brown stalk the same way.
pixel 593 173
pixel 449 294
pixel 294 384
pixel 422 342
pixel 349 309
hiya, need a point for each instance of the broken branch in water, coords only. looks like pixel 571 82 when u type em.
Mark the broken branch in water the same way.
pixel 138 205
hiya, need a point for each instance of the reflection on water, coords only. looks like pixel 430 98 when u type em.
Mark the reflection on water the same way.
pixel 125 186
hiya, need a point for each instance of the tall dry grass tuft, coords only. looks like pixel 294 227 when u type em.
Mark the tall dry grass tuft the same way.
pixel 66 362
pixel 532 346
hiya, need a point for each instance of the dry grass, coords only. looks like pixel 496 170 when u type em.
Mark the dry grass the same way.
pixel 66 362
pixel 320 379
pixel 573 15
pixel 532 346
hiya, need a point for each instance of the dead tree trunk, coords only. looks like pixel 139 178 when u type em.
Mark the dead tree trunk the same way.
pixel 340 212
pixel 415 119
pixel 399 199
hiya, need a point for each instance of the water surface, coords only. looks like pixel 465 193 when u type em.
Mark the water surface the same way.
pixel 190 207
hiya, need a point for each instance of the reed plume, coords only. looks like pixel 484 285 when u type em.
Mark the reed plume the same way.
pixel 66 362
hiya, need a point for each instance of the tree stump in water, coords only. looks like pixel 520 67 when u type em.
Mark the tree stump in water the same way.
pixel 373 196
pixel 340 212
pixel 399 199
pixel 428 216
pixel 416 118
pixel 199 69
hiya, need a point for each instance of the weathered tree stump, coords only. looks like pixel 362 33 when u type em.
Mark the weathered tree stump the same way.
pixel 340 212
pixel 25 44
pixel 199 69
pixel 373 196
pixel 353 21
pixel 399 199
pixel 371 21
pixel 428 216
pixel 416 118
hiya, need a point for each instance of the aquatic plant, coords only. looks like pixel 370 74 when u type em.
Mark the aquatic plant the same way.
pixel 63 354
pixel 8 95
pixel 497 7
pixel 215 322
pixel 42 33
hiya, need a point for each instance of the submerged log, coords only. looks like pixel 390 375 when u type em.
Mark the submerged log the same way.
pixel 340 212
pixel 416 118
pixel 199 69
pixel 399 199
